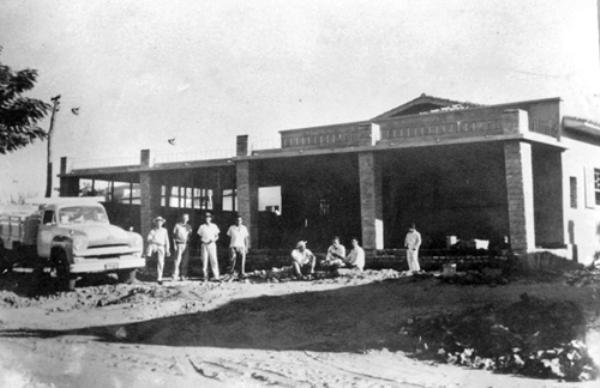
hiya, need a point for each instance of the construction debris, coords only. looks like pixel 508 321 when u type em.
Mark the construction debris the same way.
pixel 583 277
pixel 532 337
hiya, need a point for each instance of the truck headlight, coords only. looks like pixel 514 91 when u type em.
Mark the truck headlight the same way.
pixel 80 244
pixel 137 241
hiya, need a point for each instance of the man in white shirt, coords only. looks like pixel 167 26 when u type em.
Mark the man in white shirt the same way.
pixel 336 254
pixel 181 234
pixel 356 257
pixel 238 245
pixel 412 242
pixel 302 257
pixel 158 243
pixel 209 234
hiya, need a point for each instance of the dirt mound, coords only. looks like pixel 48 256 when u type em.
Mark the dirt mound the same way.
pixel 532 337
pixel 485 276
pixel 88 296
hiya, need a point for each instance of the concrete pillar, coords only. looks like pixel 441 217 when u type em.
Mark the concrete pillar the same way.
pixel 371 200
pixel 247 195
pixel 149 194
pixel 519 190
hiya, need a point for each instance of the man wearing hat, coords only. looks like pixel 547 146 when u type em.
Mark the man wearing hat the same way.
pixel 158 242
pixel 302 257
pixel 209 234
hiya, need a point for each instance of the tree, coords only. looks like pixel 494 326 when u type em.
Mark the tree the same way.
pixel 19 115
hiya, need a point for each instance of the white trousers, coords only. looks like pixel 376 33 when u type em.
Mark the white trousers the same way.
pixel 412 257
pixel 160 258
pixel 209 253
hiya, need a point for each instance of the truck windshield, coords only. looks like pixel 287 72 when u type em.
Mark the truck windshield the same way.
pixel 82 215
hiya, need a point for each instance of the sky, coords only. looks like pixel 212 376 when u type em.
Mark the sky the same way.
pixel 202 72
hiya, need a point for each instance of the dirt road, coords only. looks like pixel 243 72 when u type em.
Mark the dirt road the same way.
pixel 346 331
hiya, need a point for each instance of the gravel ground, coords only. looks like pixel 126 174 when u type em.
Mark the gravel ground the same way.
pixel 348 329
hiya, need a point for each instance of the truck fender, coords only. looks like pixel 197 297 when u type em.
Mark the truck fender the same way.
pixel 62 244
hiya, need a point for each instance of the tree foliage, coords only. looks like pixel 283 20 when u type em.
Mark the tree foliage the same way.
pixel 19 114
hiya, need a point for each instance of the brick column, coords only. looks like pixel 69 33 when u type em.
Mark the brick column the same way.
pixel 247 196
pixel 69 185
pixel 149 195
pixel 371 205
pixel 519 189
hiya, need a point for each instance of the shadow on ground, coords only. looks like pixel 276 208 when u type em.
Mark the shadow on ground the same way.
pixel 350 319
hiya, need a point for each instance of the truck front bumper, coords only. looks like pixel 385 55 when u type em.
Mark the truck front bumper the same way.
pixel 90 264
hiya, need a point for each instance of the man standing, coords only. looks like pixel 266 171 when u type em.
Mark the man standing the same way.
pixel 336 254
pixel 302 257
pixel 238 245
pixel 209 234
pixel 158 242
pixel 356 257
pixel 181 234
pixel 412 242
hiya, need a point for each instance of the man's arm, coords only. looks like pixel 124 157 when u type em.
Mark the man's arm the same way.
pixel 418 242
pixel 217 231
pixel 167 244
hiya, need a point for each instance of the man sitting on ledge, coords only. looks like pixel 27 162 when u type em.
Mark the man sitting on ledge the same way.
pixel 356 257
pixel 336 254
pixel 302 258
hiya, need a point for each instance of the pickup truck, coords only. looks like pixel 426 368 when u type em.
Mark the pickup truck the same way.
pixel 71 236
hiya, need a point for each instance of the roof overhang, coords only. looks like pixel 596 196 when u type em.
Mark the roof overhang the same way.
pixel 582 125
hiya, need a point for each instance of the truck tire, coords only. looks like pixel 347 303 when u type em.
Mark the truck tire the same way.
pixel 66 281
pixel 127 276
pixel 5 262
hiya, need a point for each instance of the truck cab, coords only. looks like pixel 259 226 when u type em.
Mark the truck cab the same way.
pixel 74 237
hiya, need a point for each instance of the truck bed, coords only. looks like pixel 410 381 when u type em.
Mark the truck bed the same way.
pixel 18 225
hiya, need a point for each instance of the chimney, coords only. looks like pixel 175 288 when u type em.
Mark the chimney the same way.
pixel 145 158
pixel 241 145
pixel 63 165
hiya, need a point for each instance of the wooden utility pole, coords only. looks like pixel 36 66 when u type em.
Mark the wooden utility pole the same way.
pixel 55 108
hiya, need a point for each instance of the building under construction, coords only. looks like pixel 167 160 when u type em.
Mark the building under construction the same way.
pixel 522 173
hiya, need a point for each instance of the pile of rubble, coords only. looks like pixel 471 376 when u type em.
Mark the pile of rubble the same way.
pixel 583 277
pixel 284 274
pixel 532 337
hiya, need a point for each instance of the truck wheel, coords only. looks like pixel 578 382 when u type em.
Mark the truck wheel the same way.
pixel 66 281
pixel 5 263
pixel 127 276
